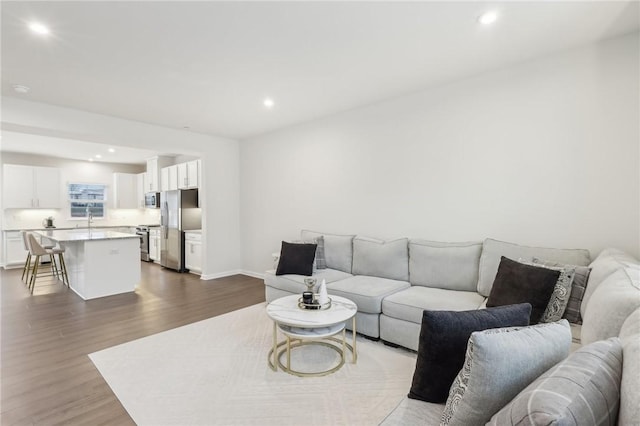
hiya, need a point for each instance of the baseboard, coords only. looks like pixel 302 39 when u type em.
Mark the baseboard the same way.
pixel 252 274
pixel 229 273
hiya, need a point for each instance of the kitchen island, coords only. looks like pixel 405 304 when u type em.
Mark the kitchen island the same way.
pixel 99 262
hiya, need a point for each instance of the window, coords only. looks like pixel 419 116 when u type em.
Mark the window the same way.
pixel 87 197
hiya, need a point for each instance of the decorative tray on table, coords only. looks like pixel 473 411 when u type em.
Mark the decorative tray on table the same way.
pixel 313 306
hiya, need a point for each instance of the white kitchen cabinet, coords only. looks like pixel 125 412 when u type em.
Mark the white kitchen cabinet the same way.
pixel 193 251
pixel 188 174
pixel 154 244
pixel 125 193
pixel 31 187
pixel 154 167
pixel 14 252
pixel 141 185
pixel 169 178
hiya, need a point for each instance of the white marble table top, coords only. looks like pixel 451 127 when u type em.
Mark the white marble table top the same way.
pixel 83 235
pixel 286 311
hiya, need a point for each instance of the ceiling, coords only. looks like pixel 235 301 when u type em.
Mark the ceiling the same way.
pixel 72 149
pixel 208 66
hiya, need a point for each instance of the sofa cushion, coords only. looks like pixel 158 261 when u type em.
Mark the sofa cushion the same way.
pixel 296 259
pixel 578 287
pixel 378 258
pixel 520 283
pixel 499 364
pixel 453 266
pixel 610 305
pixel 295 283
pixel 630 386
pixel 412 412
pixel 443 343
pixel 366 292
pixel 492 250
pixel 607 262
pixel 582 388
pixel 338 249
pixel 409 304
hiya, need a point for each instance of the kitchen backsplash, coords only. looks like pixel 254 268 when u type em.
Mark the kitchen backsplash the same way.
pixel 33 218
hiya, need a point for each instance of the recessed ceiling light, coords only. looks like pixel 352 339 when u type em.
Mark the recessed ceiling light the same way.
pixel 20 88
pixel 111 150
pixel 91 159
pixel 488 18
pixel 38 28
pixel 268 102
pixel 98 156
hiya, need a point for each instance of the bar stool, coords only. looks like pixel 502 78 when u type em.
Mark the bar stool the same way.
pixel 37 251
pixel 27 263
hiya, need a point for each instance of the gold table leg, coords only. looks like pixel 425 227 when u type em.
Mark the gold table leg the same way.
pixel 354 352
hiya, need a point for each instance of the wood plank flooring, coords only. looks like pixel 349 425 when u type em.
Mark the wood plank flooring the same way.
pixel 45 373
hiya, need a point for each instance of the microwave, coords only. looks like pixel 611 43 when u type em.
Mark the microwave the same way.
pixel 152 200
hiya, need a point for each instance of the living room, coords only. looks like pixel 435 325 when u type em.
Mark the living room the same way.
pixel 525 131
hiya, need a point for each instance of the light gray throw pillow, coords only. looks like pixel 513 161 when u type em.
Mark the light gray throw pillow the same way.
pixel 584 389
pixel 338 249
pixel 499 363
pixel 452 266
pixel 378 258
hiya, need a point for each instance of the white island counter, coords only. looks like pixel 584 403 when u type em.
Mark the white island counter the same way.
pixel 99 263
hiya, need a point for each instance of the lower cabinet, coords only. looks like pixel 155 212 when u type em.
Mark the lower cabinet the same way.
pixel 193 251
pixel 14 252
pixel 154 244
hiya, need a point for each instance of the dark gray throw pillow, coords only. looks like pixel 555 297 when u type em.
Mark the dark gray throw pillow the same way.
pixel 296 259
pixel 516 282
pixel 443 344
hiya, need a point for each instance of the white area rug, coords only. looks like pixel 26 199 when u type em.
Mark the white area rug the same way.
pixel 215 372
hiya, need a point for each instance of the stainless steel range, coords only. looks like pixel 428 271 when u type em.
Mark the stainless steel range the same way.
pixel 143 232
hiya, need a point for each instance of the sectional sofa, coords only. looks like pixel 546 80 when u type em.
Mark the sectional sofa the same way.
pixel 392 282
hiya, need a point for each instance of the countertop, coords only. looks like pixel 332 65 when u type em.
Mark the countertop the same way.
pixel 62 235
pixel 193 231
pixel 78 228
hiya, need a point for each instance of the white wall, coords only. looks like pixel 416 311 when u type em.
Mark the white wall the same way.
pixel 544 153
pixel 220 159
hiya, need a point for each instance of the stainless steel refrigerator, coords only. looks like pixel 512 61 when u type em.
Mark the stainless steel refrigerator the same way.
pixel 179 213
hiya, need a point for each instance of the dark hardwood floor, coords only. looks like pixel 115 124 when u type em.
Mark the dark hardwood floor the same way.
pixel 45 373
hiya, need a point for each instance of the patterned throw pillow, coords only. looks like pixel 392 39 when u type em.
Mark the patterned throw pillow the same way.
pixel 578 288
pixel 560 297
pixel 499 364
pixel 580 389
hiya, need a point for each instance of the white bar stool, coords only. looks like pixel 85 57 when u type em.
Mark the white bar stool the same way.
pixel 36 250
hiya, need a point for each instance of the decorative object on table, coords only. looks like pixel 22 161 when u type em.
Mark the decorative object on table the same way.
pixel 310 283
pixel 47 222
pixel 296 259
pixel 307 297
pixel 323 296
pixel 314 305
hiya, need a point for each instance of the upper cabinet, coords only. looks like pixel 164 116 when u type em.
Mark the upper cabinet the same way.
pixel 154 166
pixel 169 178
pixel 188 174
pixel 141 185
pixel 180 176
pixel 125 193
pixel 31 187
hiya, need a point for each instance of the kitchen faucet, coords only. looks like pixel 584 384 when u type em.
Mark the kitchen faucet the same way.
pixel 89 217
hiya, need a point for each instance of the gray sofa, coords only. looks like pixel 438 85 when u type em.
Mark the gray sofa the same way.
pixel 392 282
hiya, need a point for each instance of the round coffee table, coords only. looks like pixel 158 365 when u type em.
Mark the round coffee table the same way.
pixel 303 327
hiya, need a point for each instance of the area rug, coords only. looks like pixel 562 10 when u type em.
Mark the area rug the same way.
pixel 215 372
